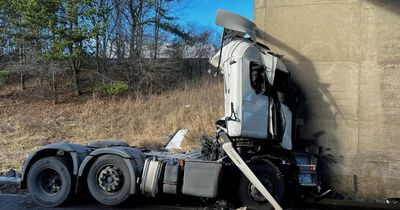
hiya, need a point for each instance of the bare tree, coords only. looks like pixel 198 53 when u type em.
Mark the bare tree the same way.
pixel 135 41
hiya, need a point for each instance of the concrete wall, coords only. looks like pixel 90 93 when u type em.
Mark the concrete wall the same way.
pixel 346 56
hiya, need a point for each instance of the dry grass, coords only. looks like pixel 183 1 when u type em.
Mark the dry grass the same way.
pixel 141 121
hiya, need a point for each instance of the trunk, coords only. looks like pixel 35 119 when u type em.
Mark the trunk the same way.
pixel 132 12
pixel 157 20
pixel 104 58
pixel 139 42
pixel 41 85
pixel 76 70
pixel 54 87
pixel 135 12
pixel 22 66
pixel 139 35
pixel 123 47
pixel 118 28
pixel 22 79
pixel 97 54
pixel 132 44
pixel 75 62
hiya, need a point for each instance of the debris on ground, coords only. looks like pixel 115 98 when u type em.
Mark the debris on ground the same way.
pixel 211 150
pixel 392 201
pixel 176 140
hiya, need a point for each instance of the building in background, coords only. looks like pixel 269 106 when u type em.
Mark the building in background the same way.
pixel 346 56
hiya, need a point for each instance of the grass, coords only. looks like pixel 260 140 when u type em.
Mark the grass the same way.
pixel 140 120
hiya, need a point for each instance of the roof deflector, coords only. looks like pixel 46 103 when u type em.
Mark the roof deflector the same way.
pixel 236 22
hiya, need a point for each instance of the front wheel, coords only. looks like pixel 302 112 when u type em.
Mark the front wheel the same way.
pixel 273 181
pixel 109 180
pixel 49 181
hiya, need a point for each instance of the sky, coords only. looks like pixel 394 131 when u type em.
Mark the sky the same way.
pixel 204 11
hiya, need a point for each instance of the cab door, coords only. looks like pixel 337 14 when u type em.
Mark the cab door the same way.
pixel 255 103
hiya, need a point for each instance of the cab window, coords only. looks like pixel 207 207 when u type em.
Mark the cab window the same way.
pixel 257 77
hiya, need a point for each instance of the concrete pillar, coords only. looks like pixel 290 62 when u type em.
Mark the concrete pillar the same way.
pixel 346 56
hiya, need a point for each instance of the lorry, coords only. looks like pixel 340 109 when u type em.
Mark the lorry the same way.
pixel 252 159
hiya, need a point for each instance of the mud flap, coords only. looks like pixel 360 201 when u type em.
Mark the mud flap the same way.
pixel 231 152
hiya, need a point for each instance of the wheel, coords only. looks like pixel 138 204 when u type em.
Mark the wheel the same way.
pixel 109 180
pixel 271 178
pixel 49 181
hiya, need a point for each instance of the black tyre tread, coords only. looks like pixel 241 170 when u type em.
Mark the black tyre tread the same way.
pixel 262 168
pixel 107 199
pixel 68 165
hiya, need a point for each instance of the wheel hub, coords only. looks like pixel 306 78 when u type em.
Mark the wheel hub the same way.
pixel 256 195
pixel 109 179
pixel 50 181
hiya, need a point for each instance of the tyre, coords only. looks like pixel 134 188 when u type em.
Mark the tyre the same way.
pixel 49 181
pixel 273 181
pixel 109 180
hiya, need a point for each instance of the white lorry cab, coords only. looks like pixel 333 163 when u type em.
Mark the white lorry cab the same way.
pixel 256 84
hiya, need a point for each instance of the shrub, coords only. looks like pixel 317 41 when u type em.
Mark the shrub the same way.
pixel 114 88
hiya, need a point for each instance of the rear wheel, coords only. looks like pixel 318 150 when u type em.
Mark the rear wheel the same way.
pixel 109 180
pixel 272 180
pixel 49 181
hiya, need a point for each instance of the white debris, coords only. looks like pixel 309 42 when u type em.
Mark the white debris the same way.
pixel 176 140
